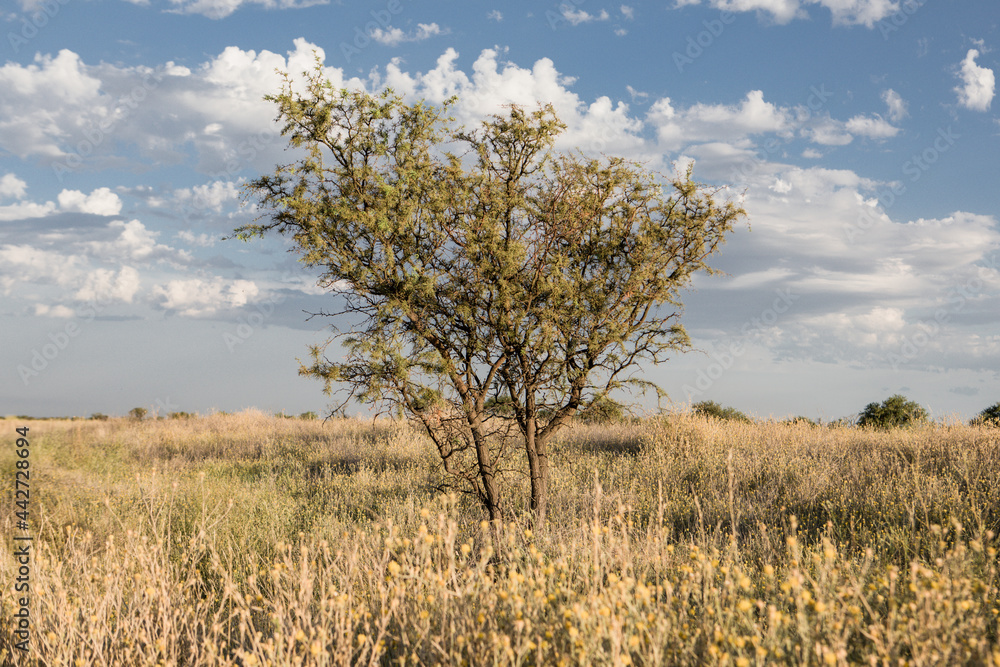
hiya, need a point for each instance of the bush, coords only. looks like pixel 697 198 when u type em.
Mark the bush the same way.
pixel 603 411
pixel 309 415
pixel 137 413
pixel 97 416
pixel 180 415
pixel 801 420
pixel 713 409
pixel 893 412
pixel 988 417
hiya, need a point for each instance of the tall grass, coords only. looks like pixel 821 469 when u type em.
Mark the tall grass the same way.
pixel 246 540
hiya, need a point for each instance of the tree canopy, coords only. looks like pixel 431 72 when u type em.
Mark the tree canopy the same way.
pixel 493 288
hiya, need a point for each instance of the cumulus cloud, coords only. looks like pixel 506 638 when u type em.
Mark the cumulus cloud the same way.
pixel 576 16
pixel 132 241
pixel 197 297
pixel 108 286
pixel 843 12
pixel 218 9
pixel 628 12
pixel 495 15
pixel 12 187
pixel 393 36
pixel 896 105
pixel 99 202
pixel 978 84
pixel 873 127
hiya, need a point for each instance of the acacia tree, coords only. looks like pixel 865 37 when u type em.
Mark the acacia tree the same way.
pixel 497 288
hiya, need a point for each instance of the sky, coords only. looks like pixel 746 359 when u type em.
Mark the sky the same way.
pixel 861 135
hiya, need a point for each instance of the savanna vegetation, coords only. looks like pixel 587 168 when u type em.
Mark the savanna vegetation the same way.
pixel 685 540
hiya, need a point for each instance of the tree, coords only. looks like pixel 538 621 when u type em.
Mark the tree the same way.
pixel 988 417
pixel 137 413
pixel 892 412
pixel 713 409
pixel 497 288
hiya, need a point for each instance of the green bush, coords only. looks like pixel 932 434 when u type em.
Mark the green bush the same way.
pixel 893 412
pixel 309 415
pixel 603 411
pixel 713 409
pixel 988 417
pixel 137 413
pixel 97 416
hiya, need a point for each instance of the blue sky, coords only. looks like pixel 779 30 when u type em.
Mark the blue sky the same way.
pixel 863 135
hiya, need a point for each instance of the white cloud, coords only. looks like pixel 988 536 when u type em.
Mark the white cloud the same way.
pixel 702 122
pixel 12 187
pixel 131 241
pixel 218 9
pixel 844 12
pixel 99 202
pixel 25 210
pixel 196 297
pixel 874 127
pixel 208 197
pixel 628 12
pixel 896 105
pixel 104 286
pixel 45 310
pixel 859 12
pixel 577 16
pixel 393 36
pixel 26 264
pixel 203 240
pixel 495 15
pixel 978 84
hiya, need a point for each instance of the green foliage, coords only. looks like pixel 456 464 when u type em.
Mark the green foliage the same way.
pixel 893 412
pixel 309 415
pixel 137 413
pixel 988 417
pixel 716 411
pixel 97 416
pixel 181 415
pixel 604 410
pixel 479 263
pixel 801 419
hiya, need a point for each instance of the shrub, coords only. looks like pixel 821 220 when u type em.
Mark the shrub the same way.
pixel 713 409
pixel 137 413
pixel 309 415
pixel 893 412
pixel 988 417
pixel 603 411
pixel 801 420
pixel 97 416
pixel 180 415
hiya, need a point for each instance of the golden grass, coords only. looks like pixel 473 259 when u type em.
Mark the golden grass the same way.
pixel 251 540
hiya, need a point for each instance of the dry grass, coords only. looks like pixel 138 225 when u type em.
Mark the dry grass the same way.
pixel 246 539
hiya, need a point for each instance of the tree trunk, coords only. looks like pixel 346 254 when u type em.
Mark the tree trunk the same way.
pixel 490 494
pixel 538 466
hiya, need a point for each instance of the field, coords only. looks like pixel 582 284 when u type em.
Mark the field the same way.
pixel 253 540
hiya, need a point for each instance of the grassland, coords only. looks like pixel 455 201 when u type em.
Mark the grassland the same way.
pixel 252 540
